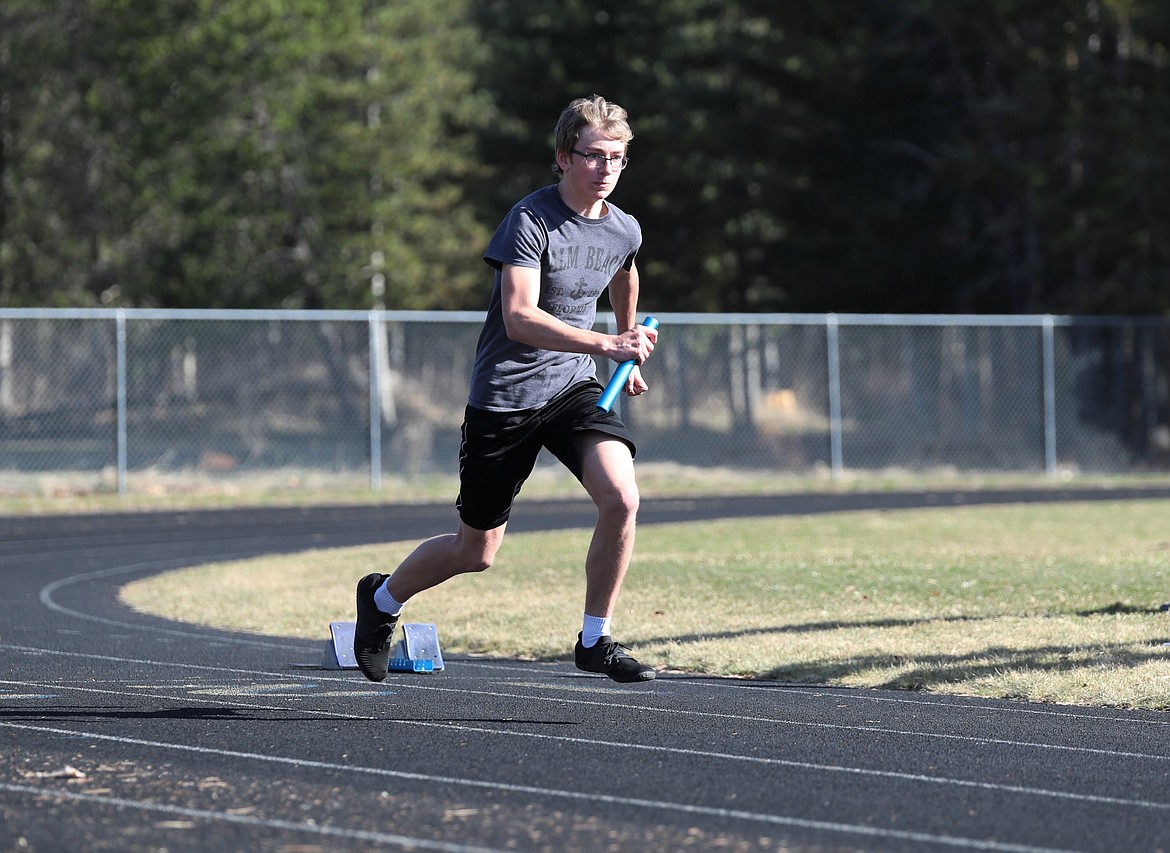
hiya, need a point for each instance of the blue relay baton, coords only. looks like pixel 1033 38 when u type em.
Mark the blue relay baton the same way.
pixel 621 375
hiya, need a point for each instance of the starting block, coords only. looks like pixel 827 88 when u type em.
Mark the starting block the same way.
pixel 417 651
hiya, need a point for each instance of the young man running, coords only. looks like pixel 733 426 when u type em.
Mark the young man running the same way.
pixel 534 385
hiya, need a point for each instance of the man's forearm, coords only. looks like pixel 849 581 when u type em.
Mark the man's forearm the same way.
pixel 623 297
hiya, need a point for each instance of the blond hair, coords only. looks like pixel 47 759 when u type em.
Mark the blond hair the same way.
pixel 606 117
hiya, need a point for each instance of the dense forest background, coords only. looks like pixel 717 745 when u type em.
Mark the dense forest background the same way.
pixel 1003 156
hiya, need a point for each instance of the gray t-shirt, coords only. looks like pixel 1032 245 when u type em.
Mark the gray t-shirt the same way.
pixel 577 259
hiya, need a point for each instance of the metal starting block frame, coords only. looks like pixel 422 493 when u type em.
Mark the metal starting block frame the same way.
pixel 417 651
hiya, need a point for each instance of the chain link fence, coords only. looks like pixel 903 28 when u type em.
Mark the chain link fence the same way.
pixel 118 399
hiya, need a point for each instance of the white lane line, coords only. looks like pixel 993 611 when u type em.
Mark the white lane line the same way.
pixel 591 743
pixel 406 841
pixel 46 597
pixel 999 707
pixel 594 798
pixel 406 685
pixel 49 590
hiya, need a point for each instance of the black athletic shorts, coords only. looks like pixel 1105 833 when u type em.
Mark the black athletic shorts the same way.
pixel 499 449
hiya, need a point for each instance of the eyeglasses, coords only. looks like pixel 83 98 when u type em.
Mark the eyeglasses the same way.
pixel 597 161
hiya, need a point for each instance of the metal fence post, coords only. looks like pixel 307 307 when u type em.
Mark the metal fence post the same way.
pixel 375 404
pixel 1049 362
pixel 832 341
pixel 120 395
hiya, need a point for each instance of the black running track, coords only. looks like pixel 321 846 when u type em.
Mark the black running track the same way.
pixel 124 732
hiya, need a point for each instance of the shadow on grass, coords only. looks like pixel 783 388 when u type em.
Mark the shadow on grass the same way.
pixel 1116 608
pixel 810 627
pixel 1119 607
pixel 928 671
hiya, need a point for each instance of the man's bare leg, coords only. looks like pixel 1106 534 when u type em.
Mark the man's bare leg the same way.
pixel 609 478
pixel 608 475
pixel 443 557
pixel 432 562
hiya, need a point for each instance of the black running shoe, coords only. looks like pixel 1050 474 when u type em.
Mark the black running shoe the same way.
pixel 371 635
pixel 610 658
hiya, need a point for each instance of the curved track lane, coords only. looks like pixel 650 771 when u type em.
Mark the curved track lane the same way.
pixel 130 733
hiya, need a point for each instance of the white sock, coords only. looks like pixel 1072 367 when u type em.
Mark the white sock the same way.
pixel 593 628
pixel 385 602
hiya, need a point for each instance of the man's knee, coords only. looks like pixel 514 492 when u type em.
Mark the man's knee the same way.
pixel 476 563
pixel 476 549
pixel 621 500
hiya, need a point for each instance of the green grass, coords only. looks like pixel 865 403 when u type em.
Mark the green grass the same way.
pixel 1047 603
